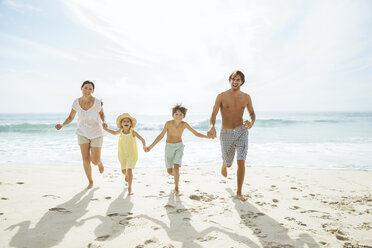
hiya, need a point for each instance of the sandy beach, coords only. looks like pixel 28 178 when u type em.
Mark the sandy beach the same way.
pixel 48 206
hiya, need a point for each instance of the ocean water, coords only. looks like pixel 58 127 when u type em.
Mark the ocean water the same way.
pixel 332 140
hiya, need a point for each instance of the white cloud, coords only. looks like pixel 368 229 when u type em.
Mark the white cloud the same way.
pixel 21 7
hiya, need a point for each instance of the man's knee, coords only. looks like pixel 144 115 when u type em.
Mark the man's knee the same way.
pixel 241 163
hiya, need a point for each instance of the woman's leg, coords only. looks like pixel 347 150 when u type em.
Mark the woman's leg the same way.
pixel 85 154
pixel 96 158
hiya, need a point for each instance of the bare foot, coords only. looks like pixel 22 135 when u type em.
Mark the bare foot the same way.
pixel 130 191
pixel 176 191
pixel 224 170
pixel 90 185
pixel 101 168
pixel 241 197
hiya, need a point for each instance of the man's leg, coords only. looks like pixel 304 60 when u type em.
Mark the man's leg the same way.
pixel 240 179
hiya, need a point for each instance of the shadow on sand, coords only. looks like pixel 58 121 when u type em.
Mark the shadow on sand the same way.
pixel 181 230
pixel 53 226
pixel 117 217
pixel 269 232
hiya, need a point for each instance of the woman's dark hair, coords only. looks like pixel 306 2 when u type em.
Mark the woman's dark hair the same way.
pixel 88 82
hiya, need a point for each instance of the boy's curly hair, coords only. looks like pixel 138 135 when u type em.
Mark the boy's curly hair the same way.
pixel 180 108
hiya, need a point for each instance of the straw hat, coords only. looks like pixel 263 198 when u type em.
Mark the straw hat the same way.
pixel 125 115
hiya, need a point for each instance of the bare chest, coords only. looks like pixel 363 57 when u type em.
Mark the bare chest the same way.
pixel 234 103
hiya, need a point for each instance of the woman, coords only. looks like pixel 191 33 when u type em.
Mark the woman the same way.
pixel 89 128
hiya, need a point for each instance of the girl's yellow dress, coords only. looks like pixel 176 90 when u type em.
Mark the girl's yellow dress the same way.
pixel 127 150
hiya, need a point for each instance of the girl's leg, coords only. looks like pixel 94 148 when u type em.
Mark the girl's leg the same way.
pixel 96 158
pixel 85 154
pixel 176 172
pixel 125 172
pixel 130 179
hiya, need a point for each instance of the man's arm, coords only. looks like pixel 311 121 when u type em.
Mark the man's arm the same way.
pixel 212 121
pixel 252 115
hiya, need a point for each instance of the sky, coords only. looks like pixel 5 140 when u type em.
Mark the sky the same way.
pixel 146 56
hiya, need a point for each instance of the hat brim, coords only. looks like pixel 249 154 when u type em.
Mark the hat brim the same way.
pixel 126 115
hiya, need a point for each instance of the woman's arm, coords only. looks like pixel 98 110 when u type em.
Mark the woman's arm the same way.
pixel 104 125
pixel 68 120
pixel 102 115
pixel 196 133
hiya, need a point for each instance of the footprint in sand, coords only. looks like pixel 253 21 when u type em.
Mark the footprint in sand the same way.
pixel 180 210
pixel 294 207
pixel 103 238
pixel 185 181
pixel 275 200
pixel 20 182
pixel 195 197
pixel 169 206
pixel 113 214
pixel 1 213
pixel 52 196
pixel 341 235
pixel 59 210
pixel 4 198
pixel 108 197
pixel 204 239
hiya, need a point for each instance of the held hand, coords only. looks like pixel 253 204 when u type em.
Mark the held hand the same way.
pixel 146 149
pixel 212 133
pixel 104 125
pixel 247 124
pixel 58 126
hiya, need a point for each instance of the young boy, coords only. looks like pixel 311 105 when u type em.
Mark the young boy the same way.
pixel 174 146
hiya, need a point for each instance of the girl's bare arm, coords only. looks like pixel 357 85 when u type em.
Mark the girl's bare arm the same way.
pixel 140 138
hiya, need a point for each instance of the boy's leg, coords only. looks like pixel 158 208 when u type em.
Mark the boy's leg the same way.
pixel 240 179
pixel 85 154
pixel 176 172
pixel 96 158
pixel 170 171
pixel 130 178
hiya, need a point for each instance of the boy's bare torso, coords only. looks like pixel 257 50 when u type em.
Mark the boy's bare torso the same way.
pixel 174 131
pixel 232 108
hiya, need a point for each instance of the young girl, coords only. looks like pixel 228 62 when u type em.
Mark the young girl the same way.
pixel 127 146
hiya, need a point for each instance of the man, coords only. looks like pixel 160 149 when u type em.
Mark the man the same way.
pixel 234 132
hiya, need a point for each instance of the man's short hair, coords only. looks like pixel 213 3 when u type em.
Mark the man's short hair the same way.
pixel 235 73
